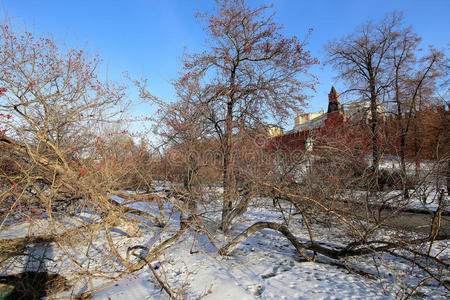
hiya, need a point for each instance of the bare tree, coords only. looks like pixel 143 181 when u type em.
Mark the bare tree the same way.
pixel 59 165
pixel 414 84
pixel 249 73
pixel 362 59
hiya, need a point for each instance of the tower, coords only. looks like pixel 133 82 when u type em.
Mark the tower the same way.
pixel 333 101
pixel 335 115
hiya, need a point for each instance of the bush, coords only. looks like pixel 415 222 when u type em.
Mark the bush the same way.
pixel 395 179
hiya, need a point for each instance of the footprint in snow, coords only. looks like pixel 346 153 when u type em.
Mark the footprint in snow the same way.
pixel 256 289
pixel 268 275
pixel 284 268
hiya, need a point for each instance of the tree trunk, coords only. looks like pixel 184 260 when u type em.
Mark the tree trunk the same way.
pixel 448 176
pixel 227 205
pixel 374 128
pixel 403 132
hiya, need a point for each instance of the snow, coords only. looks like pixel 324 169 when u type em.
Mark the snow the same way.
pixel 248 275
pixel 265 266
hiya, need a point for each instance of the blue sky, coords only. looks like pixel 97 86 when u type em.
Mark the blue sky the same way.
pixel 147 38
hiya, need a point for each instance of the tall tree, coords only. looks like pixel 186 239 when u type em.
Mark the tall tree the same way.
pixel 362 59
pixel 414 86
pixel 248 73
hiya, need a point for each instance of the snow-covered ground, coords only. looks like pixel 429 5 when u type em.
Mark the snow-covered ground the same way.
pixel 257 270
pixel 265 266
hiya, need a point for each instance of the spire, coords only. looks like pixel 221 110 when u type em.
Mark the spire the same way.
pixel 333 101
pixel 333 90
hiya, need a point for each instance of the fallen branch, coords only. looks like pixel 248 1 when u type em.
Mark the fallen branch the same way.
pixel 365 247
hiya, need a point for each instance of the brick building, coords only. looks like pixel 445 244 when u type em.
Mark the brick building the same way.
pixel 309 125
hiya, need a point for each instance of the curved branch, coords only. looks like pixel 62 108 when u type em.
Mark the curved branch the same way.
pixel 284 231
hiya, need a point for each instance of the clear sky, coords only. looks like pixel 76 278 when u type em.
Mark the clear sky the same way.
pixel 147 37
